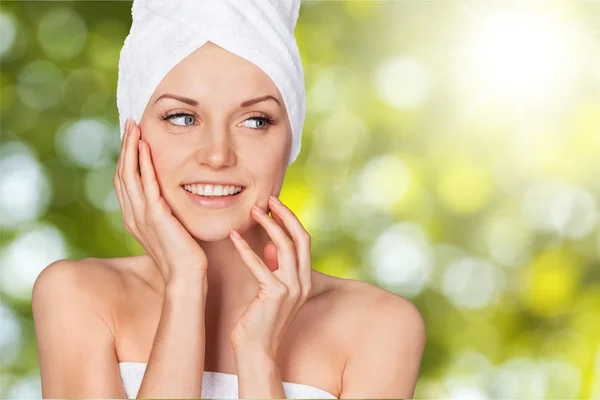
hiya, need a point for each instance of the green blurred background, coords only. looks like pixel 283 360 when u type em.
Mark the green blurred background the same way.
pixel 450 155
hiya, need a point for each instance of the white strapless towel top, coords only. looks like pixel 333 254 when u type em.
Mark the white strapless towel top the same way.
pixel 215 385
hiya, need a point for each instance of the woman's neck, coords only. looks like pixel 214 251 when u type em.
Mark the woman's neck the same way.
pixel 231 284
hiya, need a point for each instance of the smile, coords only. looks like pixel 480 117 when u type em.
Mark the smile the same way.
pixel 213 198
pixel 213 190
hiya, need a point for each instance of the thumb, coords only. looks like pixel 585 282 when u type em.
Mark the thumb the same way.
pixel 270 256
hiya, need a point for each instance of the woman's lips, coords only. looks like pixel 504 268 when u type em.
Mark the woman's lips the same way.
pixel 214 201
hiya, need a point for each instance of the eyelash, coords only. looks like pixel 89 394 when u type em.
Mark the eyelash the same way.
pixel 264 117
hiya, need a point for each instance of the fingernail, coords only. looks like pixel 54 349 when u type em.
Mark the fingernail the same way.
pixel 275 199
pixel 235 234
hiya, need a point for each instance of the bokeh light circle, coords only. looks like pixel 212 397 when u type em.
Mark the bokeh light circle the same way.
pixel 8 33
pixel 62 33
pixel 40 84
pixel 25 257
pixel 402 259
pixel 85 142
pixel 25 191
pixel 403 82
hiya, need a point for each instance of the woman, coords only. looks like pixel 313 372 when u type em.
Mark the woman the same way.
pixel 224 303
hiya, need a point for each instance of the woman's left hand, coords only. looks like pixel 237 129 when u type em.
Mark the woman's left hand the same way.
pixel 284 278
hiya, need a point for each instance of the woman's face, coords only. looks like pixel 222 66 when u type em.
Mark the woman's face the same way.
pixel 219 139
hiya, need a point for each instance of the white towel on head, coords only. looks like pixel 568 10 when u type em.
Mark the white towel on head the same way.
pixel 164 32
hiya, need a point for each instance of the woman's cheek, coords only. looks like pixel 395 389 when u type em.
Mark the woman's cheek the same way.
pixel 163 165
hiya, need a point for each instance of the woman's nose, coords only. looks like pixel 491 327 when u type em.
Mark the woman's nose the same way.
pixel 216 149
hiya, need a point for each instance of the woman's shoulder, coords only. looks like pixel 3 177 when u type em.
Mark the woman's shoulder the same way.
pixel 72 287
pixel 91 271
pixel 361 296
pixel 83 275
pixel 102 280
pixel 354 304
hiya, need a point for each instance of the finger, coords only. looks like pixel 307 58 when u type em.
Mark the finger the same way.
pixel 286 251
pixel 131 178
pixel 127 209
pixel 130 212
pixel 280 222
pixel 123 146
pixel 151 189
pixel 271 250
pixel 301 239
pixel 157 210
pixel 270 256
pixel 116 179
pixel 254 263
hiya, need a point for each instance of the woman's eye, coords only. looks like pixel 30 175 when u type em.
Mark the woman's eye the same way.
pixel 185 119
pixel 258 122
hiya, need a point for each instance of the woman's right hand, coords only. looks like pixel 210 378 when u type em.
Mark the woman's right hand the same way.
pixel 147 216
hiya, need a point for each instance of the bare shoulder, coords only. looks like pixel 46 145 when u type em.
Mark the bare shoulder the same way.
pixel 73 312
pixel 360 302
pixel 89 281
pixel 385 339
pixel 98 282
pixel 351 305
pixel 87 276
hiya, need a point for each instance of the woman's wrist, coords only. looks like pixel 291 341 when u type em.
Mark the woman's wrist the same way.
pixel 250 363
pixel 258 375
pixel 253 356
pixel 187 284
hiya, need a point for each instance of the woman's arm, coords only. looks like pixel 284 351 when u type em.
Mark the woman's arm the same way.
pixel 258 376
pixel 75 334
pixel 176 364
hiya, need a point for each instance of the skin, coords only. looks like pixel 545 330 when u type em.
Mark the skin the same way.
pixel 313 334
pixel 223 144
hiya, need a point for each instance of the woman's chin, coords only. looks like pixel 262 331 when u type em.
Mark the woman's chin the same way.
pixel 213 226
pixel 213 231
pixel 210 235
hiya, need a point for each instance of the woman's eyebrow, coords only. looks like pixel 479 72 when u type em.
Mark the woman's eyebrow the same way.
pixel 258 100
pixel 186 100
pixel 194 103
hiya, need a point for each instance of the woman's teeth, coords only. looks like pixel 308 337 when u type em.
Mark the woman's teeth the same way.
pixel 213 190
